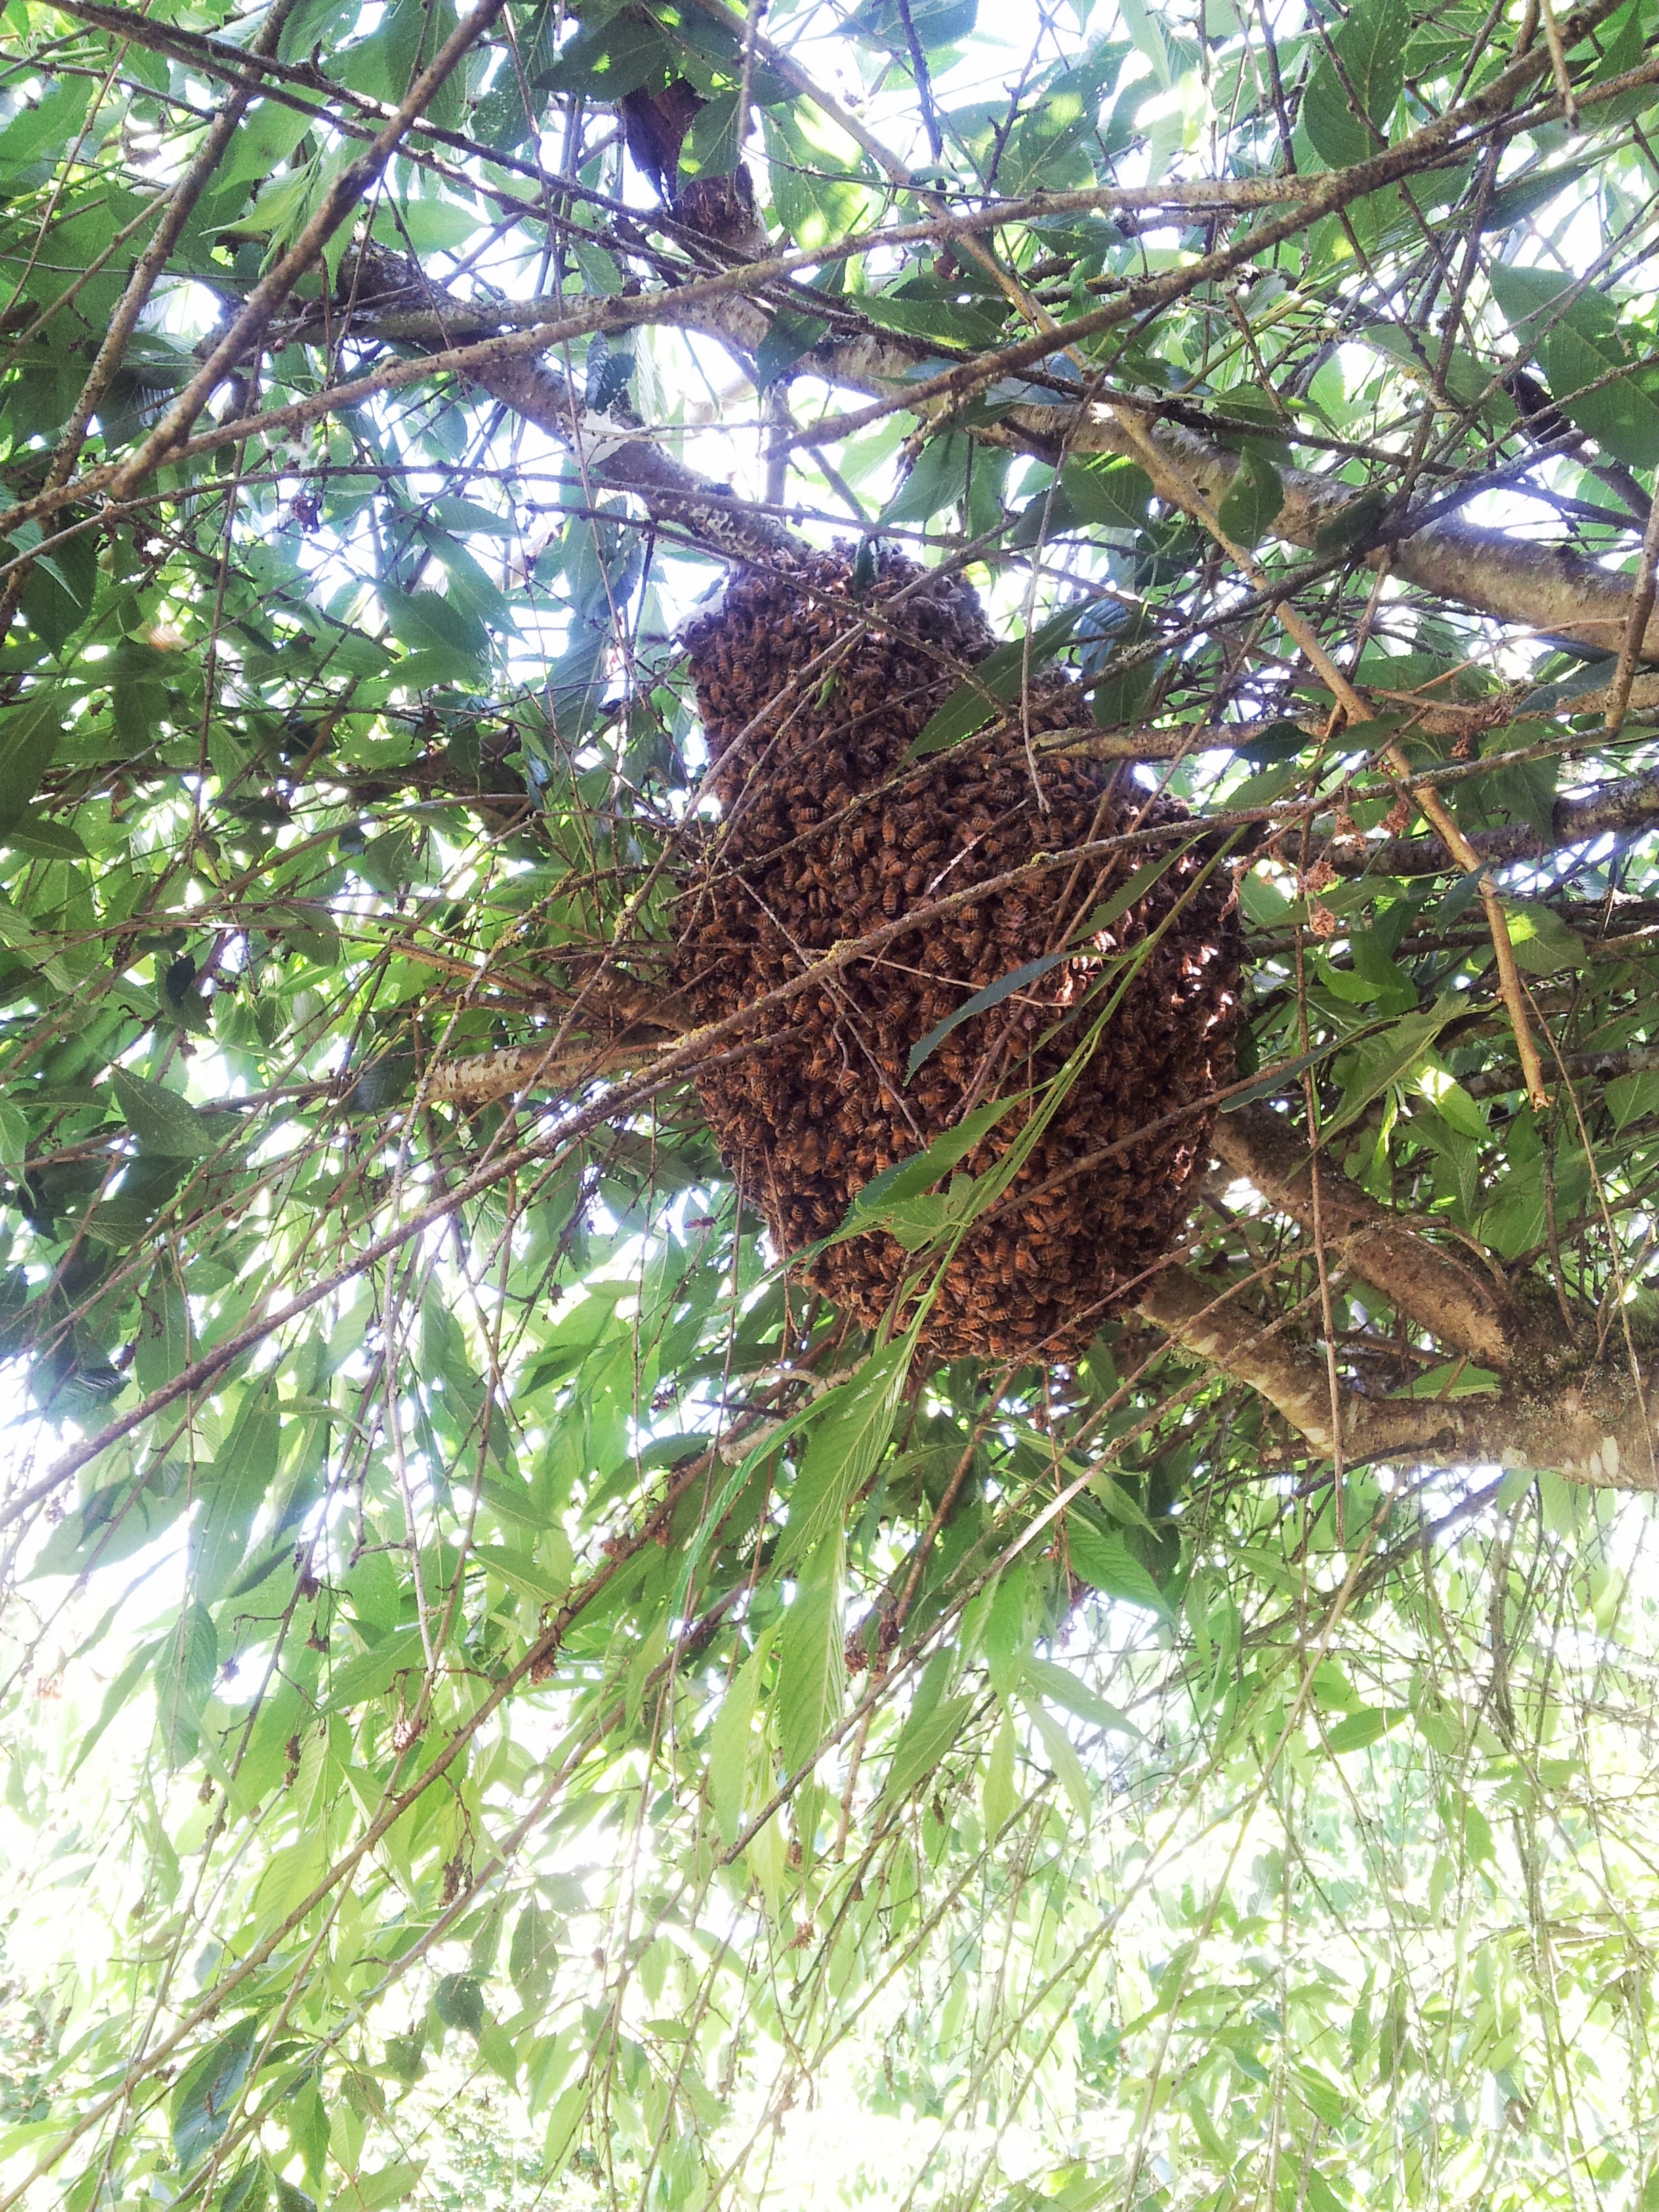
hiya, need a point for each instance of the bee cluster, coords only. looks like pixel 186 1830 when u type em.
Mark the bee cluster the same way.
pixel 811 694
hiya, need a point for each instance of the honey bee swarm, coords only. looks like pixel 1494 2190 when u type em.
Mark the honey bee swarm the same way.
pixel 827 833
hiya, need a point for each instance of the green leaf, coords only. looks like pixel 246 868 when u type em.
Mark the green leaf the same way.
pixel 113 1523
pixel 184 1671
pixel 33 834
pixel 1062 1757
pixel 998 1796
pixel 1106 494
pixel 29 736
pixel 521 1570
pixel 1387 1058
pixel 789 337
pixel 608 60
pixel 992 995
pixel 1348 122
pixel 923 1741
pixel 996 681
pixel 45 127
pixel 1252 500
pixel 1578 342
pixel 459 2002
pixel 1358 1729
pixel 1544 945
pixel 208 2092
pixel 376 1670
pixel 115 1698
pixel 387 2184
pixel 732 1739
pixel 712 146
pixel 810 1665
pixel 1134 888
pixel 163 1123
pixel 936 23
pixel 906 1179
pixel 1107 1564
pixel 940 477
pixel 231 1489
pixel 163 1348
pixel 1061 1687
pixel 534 1954
pixel 850 1434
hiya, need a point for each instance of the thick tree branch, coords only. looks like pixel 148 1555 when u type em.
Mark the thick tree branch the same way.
pixel 1450 1297
pixel 1622 808
pixel 484 1079
pixel 1540 587
pixel 1596 1428
pixel 1549 591
pixel 616 455
pixel 1227 1335
pixel 1575 1066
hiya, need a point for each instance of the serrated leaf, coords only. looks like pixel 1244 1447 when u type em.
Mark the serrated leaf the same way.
pixel 1108 494
pixel 163 1123
pixel 1107 1564
pixel 1370 44
pixel 1252 500
pixel 1387 1058
pixel 1576 336
pixel 200 2108
pixel 712 146
pixel 608 60
pixel 1544 945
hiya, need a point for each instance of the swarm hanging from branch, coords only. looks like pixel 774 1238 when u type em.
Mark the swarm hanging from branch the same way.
pixel 810 696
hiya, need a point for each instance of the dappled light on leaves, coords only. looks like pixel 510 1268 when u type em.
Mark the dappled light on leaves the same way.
pixel 829 1106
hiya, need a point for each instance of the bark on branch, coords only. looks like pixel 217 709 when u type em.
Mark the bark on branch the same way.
pixel 1551 591
pixel 1624 807
pixel 1448 1296
pixel 1596 1428
pixel 617 454
pixel 1540 587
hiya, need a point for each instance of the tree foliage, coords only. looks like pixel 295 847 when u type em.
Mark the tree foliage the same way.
pixel 504 1698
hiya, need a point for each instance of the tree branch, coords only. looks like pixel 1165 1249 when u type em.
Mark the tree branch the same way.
pixel 1596 1428
pixel 1449 1297
pixel 617 454
pixel 1556 593
pixel 1622 808
pixel 1551 591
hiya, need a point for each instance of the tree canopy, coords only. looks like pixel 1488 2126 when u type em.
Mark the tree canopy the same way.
pixel 507 1695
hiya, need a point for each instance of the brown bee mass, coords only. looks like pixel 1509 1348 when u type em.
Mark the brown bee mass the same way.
pixel 810 696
